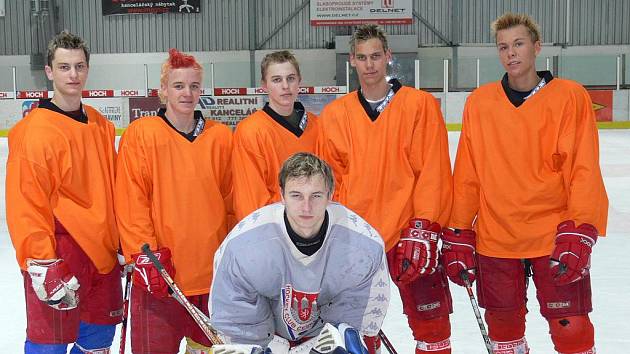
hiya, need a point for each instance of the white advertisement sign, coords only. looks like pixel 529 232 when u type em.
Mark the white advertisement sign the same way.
pixel 114 109
pixel 355 12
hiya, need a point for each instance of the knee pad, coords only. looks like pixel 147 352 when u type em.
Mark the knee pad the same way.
pixel 94 339
pixel 34 348
pixel 505 326
pixel 433 330
pixel 572 334
pixel 193 347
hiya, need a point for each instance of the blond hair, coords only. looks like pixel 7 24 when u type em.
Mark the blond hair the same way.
pixel 510 19
pixel 367 32
pixel 279 57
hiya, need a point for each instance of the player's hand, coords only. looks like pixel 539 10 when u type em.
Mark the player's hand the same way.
pixel 147 277
pixel 571 258
pixel 53 283
pixel 458 254
pixel 417 252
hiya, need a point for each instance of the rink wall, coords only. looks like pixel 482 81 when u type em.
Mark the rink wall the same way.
pixel 230 105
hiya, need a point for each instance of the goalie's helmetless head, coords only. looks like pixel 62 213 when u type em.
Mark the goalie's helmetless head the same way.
pixel 307 183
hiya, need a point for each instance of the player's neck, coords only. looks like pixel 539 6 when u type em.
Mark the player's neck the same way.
pixel 375 91
pixel 282 110
pixel 524 83
pixel 183 123
pixel 66 103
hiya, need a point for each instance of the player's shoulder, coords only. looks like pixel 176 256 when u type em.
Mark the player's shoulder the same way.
pixel 486 90
pixel 251 125
pixel 567 86
pixel 249 228
pixel 351 224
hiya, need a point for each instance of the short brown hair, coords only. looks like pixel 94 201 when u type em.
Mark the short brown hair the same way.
pixel 66 40
pixel 279 57
pixel 510 19
pixel 304 164
pixel 366 32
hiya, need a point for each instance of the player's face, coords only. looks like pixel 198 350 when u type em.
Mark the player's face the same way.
pixel 282 84
pixel 370 61
pixel 69 72
pixel 305 201
pixel 182 91
pixel 517 51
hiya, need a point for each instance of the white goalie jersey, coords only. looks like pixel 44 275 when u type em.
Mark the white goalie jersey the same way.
pixel 264 286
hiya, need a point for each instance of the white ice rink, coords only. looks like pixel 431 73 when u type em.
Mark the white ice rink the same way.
pixel 610 276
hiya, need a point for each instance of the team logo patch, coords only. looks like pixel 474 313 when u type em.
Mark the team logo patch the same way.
pixel 300 310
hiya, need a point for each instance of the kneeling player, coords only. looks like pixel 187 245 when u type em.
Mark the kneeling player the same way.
pixel 289 268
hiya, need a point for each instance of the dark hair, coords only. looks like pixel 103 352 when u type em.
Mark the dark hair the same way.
pixel 304 164
pixel 66 40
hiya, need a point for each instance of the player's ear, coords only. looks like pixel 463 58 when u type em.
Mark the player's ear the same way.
pixel 48 71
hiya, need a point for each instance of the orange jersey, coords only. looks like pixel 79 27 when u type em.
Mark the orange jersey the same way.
pixel 61 168
pixel 261 145
pixel 521 171
pixel 171 192
pixel 391 169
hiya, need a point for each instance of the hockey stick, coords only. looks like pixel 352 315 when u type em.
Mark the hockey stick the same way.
pixel 388 345
pixel 202 321
pixel 123 328
pixel 475 306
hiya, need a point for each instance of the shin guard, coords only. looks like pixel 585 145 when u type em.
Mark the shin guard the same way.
pixel 572 334
pixel 432 336
pixel 505 326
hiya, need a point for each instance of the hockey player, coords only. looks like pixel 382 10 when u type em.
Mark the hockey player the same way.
pixel 266 138
pixel 173 190
pixel 387 145
pixel 527 170
pixel 60 212
pixel 290 267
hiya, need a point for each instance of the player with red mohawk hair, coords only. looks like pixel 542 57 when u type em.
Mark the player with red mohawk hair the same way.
pixel 173 191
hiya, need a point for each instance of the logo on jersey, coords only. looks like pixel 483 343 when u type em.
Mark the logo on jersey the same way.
pixel 299 310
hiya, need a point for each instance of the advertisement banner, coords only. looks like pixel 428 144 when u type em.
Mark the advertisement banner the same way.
pixel 602 104
pixel 111 108
pixel 123 7
pixel 355 12
pixel 10 113
pixel 229 110
pixel 143 107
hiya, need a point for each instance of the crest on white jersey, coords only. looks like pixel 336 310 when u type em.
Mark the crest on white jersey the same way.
pixel 300 310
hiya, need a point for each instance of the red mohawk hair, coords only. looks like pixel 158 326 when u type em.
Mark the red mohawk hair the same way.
pixel 176 60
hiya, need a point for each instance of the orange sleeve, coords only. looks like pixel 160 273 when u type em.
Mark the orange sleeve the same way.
pixel 227 183
pixel 133 196
pixel 433 186
pixel 579 155
pixel 465 180
pixel 30 183
pixel 250 166
pixel 330 145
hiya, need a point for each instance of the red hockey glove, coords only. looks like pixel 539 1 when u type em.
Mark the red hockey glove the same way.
pixel 417 251
pixel 53 283
pixel 147 277
pixel 571 259
pixel 458 254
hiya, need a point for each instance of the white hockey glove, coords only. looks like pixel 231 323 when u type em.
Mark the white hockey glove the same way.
pixel 53 283
pixel 238 349
pixel 342 339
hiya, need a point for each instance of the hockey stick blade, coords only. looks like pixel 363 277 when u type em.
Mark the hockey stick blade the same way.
pixel 475 306
pixel 202 322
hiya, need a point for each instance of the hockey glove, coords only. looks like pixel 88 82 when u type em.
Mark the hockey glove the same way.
pixel 571 259
pixel 417 251
pixel 342 339
pixel 147 277
pixel 238 349
pixel 53 283
pixel 458 254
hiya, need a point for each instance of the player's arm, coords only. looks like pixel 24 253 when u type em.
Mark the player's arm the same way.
pixel 331 146
pixel 132 200
pixel 250 173
pixel 587 205
pixel 237 311
pixel 33 177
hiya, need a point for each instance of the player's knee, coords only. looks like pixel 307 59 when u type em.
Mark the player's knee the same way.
pixel 193 347
pixel 94 338
pixel 572 334
pixel 432 330
pixel 35 348
pixel 505 325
